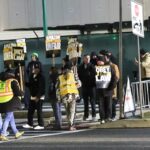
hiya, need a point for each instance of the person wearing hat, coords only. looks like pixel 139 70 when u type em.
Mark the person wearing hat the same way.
pixel 105 83
pixel 34 63
pixel 36 86
pixel 67 93
pixel 9 102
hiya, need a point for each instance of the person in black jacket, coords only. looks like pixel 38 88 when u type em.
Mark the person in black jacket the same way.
pixel 86 73
pixel 105 83
pixel 34 63
pixel 36 86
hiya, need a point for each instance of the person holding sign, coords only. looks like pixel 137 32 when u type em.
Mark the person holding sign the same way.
pixel 105 83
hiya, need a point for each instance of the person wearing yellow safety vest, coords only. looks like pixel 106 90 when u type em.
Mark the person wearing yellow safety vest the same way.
pixel 67 93
pixel 9 102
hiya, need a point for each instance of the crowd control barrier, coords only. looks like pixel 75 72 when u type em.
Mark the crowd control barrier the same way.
pixel 145 91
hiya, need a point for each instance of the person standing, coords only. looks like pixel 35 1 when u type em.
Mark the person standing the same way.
pixel 86 73
pixel 34 63
pixel 117 73
pixel 36 86
pixel 145 72
pixel 9 102
pixel 56 105
pixel 105 83
pixel 67 93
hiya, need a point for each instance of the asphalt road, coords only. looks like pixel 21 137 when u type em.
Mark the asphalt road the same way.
pixel 82 139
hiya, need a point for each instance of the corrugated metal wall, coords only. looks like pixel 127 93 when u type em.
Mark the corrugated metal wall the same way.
pixel 28 13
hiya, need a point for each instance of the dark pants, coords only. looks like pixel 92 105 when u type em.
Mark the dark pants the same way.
pixel 88 95
pixel 26 97
pixel 57 113
pixel 105 105
pixel 114 103
pixel 32 107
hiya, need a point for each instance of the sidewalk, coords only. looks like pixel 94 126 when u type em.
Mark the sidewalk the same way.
pixel 130 122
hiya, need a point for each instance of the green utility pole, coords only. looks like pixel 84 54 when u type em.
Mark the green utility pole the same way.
pixel 44 18
pixel 120 60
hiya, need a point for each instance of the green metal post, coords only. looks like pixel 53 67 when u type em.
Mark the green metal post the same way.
pixel 44 18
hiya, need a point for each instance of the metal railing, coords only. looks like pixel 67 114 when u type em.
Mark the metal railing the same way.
pixel 145 101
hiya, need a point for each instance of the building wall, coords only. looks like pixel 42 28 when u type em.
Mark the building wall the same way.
pixel 90 43
pixel 28 13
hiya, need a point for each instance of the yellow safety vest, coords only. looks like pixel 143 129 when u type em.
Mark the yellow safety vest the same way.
pixel 67 86
pixel 6 93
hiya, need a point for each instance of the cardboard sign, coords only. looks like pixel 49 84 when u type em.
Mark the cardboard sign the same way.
pixel 8 51
pixel 53 45
pixel 22 43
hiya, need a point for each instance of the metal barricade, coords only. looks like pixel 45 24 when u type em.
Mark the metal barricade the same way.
pixel 145 86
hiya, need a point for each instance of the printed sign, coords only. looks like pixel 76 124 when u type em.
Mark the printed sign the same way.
pixel 137 19
pixel 103 76
pixel 53 46
pixel 53 42
pixel 19 53
pixel 22 43
pixel 8 51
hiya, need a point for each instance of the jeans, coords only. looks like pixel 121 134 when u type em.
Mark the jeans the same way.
pixel 9 118
pixel 26 97
pixel 1 123
pixel 114 103
pixel 57 113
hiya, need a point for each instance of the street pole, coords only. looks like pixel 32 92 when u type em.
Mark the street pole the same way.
pixel 140 83
pixel 120 59
pixel 44 18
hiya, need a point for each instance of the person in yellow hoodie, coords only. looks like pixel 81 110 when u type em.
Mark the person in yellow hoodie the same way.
pixel 67 93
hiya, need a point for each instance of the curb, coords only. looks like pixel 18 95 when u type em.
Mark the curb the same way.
pixel 134 123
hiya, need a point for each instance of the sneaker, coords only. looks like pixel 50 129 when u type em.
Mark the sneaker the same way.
pixel 114 119
pixel 108 120
pixel 38 128
pixel 86 118
pixel 103 121
pixel 3 138
pixel 94 119
pixel 27 126
pixel 7 133
pixel 72 128
pixel 19 134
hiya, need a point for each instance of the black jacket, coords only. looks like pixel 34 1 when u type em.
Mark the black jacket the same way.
pixel 33 64
pixel 87 75
pixel 36 85
pixel 15 102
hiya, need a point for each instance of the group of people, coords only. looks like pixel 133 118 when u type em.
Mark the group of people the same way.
pixel 94 81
